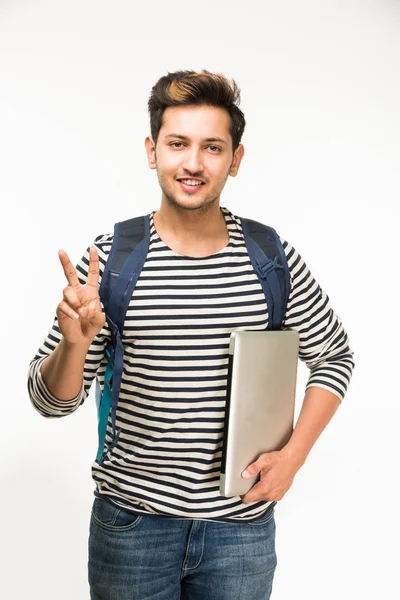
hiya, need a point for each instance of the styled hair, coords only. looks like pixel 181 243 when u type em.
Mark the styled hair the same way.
pixel 181 88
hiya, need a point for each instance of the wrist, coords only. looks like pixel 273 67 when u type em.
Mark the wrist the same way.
pixel 73 347
pixel 294 454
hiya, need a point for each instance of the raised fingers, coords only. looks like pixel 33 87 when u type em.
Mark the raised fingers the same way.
pixel 69 269
pixel 93 273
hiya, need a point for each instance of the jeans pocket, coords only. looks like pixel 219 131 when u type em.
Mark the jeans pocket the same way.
pixel 113 518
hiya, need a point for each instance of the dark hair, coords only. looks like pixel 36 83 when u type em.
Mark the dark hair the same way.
pixel 191 88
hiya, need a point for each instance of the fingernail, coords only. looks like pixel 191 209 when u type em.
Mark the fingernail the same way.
pixel 245 473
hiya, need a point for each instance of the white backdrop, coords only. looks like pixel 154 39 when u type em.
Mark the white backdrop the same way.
pixel 321 95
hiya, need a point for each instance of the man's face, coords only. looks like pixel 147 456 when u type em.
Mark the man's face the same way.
pixel 194 145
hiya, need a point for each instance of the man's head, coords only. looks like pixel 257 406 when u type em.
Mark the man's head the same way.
pixel 196 128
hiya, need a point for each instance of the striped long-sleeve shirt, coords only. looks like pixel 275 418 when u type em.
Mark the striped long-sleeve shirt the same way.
pixel 173 391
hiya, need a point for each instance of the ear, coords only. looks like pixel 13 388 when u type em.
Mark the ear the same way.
pixel 237 158
pixel 151 152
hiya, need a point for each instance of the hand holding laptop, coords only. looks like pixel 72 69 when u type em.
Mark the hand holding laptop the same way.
pixel 277 471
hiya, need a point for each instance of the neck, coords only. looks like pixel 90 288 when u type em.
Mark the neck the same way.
pixel 201 224
pixel 197 233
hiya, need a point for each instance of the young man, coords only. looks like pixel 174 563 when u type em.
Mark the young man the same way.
pixel 159 526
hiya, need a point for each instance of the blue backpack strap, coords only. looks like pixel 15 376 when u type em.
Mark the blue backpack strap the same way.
pixel 268 258
pixel 125 262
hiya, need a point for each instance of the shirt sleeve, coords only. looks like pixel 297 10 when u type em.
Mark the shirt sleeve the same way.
pixel 323 341
pixel 41 398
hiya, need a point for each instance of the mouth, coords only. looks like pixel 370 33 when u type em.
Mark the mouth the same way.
pixel 190 185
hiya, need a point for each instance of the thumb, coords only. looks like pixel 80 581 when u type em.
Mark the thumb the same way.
pixel 96 318
pixel 255 468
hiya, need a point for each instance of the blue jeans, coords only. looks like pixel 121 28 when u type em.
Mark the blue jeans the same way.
pixel 141 557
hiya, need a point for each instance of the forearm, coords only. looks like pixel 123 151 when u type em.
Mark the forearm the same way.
pixel 62 370
pixel 318 408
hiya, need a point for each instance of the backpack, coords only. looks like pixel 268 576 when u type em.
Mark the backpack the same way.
pixel 122 270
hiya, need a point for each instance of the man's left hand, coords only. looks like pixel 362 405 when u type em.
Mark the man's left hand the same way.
pixel 277 471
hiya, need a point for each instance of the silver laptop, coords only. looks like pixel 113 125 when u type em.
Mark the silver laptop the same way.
pixel 260 402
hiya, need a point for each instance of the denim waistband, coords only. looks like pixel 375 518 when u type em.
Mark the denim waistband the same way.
pixel 260 515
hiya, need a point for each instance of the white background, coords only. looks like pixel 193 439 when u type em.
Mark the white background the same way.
pixel 321 96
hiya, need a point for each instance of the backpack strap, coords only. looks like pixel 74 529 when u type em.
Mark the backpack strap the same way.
pixel 123 267
pixel 268 258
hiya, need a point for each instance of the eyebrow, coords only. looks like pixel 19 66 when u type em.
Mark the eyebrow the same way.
pixel 184 137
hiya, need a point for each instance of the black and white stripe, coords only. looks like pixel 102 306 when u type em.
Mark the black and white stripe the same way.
pixel 172 401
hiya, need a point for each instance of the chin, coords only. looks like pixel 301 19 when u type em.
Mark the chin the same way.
pixel 190 203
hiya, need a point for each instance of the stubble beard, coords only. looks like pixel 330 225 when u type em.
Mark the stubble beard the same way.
pixel 200 205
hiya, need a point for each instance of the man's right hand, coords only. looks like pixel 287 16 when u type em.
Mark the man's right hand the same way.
pixel 80 316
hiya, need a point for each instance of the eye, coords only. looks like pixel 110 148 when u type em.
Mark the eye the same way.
pixel 178 145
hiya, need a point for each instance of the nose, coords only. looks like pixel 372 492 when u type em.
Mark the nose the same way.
pixel 193 162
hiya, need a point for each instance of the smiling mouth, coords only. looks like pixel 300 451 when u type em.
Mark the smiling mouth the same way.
pixel 190 185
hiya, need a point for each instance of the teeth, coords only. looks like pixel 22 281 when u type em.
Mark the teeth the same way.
pixel 191 181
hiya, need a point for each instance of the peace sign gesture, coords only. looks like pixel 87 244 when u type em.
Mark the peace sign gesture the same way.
pixel 80 317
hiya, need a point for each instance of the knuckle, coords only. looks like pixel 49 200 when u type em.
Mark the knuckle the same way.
pixel 61 308
pixel 66 290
